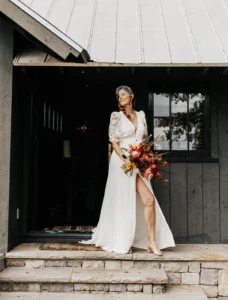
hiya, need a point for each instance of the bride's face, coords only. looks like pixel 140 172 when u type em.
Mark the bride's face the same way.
pixel 124 98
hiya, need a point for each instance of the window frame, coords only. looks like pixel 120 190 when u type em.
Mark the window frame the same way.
pixel 206 153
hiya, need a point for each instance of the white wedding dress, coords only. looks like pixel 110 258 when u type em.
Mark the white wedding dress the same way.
pixel 121 223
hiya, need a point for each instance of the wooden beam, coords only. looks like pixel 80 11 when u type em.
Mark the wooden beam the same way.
pixel 39 31
pixel 6 71
pixel 96 64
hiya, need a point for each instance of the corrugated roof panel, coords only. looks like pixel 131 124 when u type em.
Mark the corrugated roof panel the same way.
pixel 41 7
pixel 207 42
pixel 225 2
pixel 81 21
pixel 60 14
pixel 181 45
pixel 104 31
pixel 219 18
pixel 27 2
pixel 138 31
pixel 153 32
pixel 128 46
pixel 48 25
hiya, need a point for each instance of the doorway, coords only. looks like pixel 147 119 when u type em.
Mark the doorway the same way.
pixel 73 161
pixel 65 117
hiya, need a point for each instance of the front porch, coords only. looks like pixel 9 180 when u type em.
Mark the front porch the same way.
pixel 187 266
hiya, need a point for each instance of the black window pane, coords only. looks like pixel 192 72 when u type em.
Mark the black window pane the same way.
pixel 179 134
pixel 196 105
pixel 162 134
pixel 161 105
pixel 196 134
pixel 179 105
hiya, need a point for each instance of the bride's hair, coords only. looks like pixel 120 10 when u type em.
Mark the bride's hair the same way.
pixel 129 91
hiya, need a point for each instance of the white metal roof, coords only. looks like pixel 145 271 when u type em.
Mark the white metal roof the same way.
pixel 139 31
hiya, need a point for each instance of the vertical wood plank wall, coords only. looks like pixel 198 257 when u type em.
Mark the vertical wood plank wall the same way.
pixel 195 199
pixel 223 160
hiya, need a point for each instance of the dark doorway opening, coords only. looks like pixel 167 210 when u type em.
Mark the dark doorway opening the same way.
pixel 66 114
pixel 73 158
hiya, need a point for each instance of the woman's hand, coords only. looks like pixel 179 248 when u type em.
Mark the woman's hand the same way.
pixel 126 161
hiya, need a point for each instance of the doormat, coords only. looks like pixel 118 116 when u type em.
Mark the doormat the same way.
pixel 70 228
pixel 72 247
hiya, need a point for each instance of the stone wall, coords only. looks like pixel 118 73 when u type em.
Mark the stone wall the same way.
pixel 2 263
pixel 212 277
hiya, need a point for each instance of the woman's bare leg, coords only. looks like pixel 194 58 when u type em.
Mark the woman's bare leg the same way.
pixel 149 207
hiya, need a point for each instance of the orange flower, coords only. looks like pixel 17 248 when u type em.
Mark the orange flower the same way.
pixel 143 158
pixel 131 166
pixel 158 175
pixel 165 163
pixel 159 158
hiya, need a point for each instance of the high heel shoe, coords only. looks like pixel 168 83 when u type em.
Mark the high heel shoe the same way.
pixel 152 248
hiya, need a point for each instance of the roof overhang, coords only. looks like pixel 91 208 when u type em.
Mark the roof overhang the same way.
pixel 46 33
pixel 38 58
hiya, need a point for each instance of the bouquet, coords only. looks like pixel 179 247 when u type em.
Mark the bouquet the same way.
pixel 142 157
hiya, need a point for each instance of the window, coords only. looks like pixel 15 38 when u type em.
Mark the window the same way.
pixel 180 123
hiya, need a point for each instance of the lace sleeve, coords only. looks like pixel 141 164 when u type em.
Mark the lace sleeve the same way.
pixel 145 134
pixel 114 127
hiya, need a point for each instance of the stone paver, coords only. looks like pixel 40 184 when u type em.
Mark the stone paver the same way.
pixel 215 265
pixel 210 290
pixel 30 275
pixel 209 277
pixel 31 251
pixel 194 267
pixel 182 293
pixel 19 296
pixel 67 275
pixel 112 264
pixel 138 276
pixel 173 293
pixel 182 252
pixel 78 296
pixel 222 283
pixel 187 252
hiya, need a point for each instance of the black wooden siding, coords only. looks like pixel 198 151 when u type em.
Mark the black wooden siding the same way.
pixel 195 199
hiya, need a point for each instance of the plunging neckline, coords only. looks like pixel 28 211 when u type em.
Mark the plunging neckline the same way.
pixel 136 127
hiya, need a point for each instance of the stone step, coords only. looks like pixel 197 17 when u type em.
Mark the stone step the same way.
pixel 87 280
pixel 173 293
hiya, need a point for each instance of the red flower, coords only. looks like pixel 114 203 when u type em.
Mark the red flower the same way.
pixel 154 168
pixel 135 154
pixel 165 163
pixel 147 173
pixel 151 160
pixel 136 151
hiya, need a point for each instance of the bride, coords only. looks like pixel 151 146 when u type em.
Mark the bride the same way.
pixel 130 214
